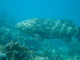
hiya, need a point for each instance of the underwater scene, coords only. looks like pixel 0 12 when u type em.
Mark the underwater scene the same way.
pixel 39 29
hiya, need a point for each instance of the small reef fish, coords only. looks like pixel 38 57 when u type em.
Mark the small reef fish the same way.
pixel 50 29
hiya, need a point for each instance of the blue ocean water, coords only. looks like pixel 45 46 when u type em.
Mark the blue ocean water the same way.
pixel 56 9
pixel 20 10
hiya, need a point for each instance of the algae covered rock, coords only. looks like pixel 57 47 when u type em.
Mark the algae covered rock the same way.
pixel 8 34
pixel 5 35
pixel 16 52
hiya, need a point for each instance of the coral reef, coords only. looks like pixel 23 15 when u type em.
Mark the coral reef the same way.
pixel 16 52
pixel 8 34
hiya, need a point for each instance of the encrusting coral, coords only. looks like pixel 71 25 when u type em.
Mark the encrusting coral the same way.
pixel 15 51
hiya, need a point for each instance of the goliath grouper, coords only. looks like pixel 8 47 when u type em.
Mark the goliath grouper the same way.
pixel 50 29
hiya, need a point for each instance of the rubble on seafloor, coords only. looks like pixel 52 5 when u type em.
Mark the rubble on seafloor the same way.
pixel 15 51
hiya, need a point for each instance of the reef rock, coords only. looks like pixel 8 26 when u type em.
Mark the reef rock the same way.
pixel 16 52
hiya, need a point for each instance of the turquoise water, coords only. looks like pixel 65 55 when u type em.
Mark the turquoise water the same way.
pixel 15 11
pixel 56 9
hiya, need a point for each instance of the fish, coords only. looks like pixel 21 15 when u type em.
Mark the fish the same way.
pixel 50 29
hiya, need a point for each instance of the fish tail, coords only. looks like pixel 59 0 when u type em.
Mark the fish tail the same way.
pixel 77 34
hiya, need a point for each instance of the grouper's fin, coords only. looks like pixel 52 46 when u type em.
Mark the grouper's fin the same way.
pixel 66 39
pixel 38 37
pixel 77 33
